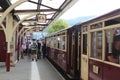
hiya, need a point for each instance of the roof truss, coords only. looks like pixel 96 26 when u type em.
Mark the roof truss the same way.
pixel 42 7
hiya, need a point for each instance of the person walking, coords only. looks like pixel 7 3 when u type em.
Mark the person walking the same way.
pixel 38 50
pixel 23 50
pixel 44 49
pixel 34 50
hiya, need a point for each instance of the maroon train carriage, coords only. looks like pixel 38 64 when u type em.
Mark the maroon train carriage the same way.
pixel 62 51
pixel 100 47
pixel 90 49
pixel 57 50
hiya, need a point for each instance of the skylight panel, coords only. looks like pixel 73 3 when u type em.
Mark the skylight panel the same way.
pixel 42 7
pixel 26 6
pixel 22 16
pixel 13 1
pixel 53 3
pixel 34 0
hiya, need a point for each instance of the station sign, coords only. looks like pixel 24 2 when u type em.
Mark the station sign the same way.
pixel 41 18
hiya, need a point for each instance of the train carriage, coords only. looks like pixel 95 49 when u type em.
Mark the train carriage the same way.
pixel 100 47
pixel 62 50
pixel 88 50
pixel 57 50
pixel 73 56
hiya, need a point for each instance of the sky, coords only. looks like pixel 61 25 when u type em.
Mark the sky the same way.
pixel 91 8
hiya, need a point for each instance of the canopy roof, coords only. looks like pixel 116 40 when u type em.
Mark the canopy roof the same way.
pixel 48 11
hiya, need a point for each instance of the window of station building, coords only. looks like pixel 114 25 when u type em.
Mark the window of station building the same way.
pixel 85 44
pixel 95 26
pixel 112 37
pixel 96 45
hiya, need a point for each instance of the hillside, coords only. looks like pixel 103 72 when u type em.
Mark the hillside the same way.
pixel 78 20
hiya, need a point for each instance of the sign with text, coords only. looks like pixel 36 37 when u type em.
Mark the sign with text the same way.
pixel 41 18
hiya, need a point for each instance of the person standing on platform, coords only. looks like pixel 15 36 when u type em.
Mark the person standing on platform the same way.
pixel 23 50
pixel 44 49
pixel 29 49
pixel 34 50
pixel 38 50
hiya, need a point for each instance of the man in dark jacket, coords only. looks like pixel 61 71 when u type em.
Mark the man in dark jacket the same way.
pixel 39 47
pixel 44 49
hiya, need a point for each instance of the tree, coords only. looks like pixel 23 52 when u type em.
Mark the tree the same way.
pixel 58 25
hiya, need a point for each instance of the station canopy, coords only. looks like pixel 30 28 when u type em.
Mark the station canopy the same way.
pixel 41 12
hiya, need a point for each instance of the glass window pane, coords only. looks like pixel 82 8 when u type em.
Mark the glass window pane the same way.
pixel 57 3
pixel 54 42
pixel 26 6
pixel 95 26
pixel 113 45
pixel 58 42
pixel 85 28
pixel 63 42
pixel 93 44
pixel 112 21
pixel 96 45
pixel 85 44
pixel 99 45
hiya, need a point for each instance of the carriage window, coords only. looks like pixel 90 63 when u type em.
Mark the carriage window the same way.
pixel 85 44
pixel 112 21
pixel 113 45
pixel 73 39
pixel 58 42
pixel 85 28
pixel 98 25
pixel 54 43
pixel 51 42
pixel 63 43
pixel 96 45
pixel 47 42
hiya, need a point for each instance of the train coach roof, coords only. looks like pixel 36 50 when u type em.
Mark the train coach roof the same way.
pixel 58 31
pixel 102 17
pixel 64 29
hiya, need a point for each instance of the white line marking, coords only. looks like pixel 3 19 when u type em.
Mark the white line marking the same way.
pixel 34 71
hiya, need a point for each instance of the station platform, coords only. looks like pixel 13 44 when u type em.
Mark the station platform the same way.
pixel 26 69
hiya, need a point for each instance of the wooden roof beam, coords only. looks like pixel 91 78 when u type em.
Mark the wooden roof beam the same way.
pixel 38 25
pixel 41 4
pixel 17 12
pixel 35 19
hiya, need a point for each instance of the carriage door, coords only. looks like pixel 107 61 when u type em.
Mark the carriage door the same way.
pixel 79 51
pixel 72 60
pixel 84 57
